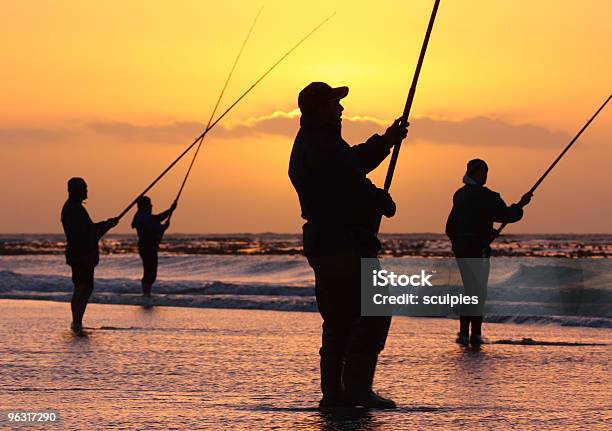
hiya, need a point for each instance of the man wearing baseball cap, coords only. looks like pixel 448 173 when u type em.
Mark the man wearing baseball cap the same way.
pixel 341 206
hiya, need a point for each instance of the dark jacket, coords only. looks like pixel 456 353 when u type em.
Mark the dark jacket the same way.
pixel 338 202
pixel 82 234
pixel 470 222
pixel 149 228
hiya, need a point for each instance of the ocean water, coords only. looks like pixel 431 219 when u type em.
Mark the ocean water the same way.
pixel 170 368
pixel 561 279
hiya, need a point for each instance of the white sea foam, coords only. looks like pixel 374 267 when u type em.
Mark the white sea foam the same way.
pixel 575 292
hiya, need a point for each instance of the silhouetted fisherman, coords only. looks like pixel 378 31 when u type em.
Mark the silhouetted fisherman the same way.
pixel 470 229
pixel 341 206
pixel 82 254
pixel 150 232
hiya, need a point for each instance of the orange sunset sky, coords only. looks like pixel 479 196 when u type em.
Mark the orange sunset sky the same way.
pixel 113 91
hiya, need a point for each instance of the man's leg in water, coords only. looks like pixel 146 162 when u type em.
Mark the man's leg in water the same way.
pixel 368 335
pixel 83 280
pixel 476 325
pixel 475 275
pixel 483 281
pixel 331 302
pixel 464 325
pixel 149 267
pixel 467 269
pixel 334 341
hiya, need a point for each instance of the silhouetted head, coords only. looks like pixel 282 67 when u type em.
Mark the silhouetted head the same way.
pixel 144 204
pixel 321 102
pixel 77 189
pixel 477 170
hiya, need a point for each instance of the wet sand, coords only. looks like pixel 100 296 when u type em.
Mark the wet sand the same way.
pixel 185 368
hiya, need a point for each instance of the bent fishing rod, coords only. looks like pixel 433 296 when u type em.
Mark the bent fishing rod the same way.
pixel 214 111
pixel 550 168
pixel 408 105
pixel 214 123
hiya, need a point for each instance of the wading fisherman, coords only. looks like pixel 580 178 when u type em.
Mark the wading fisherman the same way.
pixel 340 206
pixel 150 232
pixel 82 254
pixel 470 229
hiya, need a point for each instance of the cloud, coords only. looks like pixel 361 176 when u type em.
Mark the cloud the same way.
pixel 478 131
pixel 166 133
pixel 17 136
pixel 483 131
pixel 278 123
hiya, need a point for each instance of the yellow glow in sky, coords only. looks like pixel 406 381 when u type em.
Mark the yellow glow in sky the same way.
pixel 156 66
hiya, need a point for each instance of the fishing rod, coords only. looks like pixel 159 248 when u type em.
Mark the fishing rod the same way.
pixel 408 105
pixel 214 111
pixel 550 168
pixel 242 96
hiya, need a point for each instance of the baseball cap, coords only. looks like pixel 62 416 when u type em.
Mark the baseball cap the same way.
pixel 316 94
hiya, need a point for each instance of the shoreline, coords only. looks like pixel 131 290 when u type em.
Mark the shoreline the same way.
pixel 559 321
